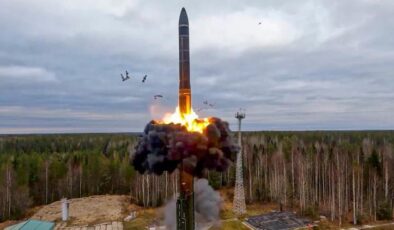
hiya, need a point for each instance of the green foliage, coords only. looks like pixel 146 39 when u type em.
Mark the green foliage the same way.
pixel 374 162
pixel 75 165
pixel 214 179
pixel 384 212
pixel 90 164
pixel 311 211
pixel 360 219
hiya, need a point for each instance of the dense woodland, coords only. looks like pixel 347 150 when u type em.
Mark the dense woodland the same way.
pixel 346 176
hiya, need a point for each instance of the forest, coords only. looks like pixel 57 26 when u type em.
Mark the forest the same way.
pixel 344 175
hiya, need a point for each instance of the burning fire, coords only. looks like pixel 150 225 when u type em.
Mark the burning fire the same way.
pixel 190 121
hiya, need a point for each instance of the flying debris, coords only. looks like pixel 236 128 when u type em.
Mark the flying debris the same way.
pixel 207 105
pixel 125 78
pixel 157 96
pixel 144 78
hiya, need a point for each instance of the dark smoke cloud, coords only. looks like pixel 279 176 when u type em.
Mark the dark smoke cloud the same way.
pixel 163 147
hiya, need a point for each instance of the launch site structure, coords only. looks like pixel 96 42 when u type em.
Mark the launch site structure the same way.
pixel 239 190
pixel 185 202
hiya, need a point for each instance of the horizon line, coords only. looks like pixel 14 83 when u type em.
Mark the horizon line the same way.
pixel 246 131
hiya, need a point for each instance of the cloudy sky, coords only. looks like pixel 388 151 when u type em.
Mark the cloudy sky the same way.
pixel 309 65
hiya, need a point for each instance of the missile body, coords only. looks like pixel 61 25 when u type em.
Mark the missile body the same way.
pixel 185 202
pixel 184 65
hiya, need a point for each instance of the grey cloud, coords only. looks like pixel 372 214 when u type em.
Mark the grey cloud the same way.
pixel 26 74
pixel 334 70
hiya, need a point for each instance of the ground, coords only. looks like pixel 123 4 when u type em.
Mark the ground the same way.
pixel 87 210
pixel 231 225
pixel 109 208
pixel 7 223
pixel 145 218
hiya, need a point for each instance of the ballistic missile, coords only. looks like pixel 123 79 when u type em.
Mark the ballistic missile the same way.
pixel 185 202
pixel 184 102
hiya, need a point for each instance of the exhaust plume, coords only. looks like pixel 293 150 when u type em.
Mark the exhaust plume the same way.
pixel 207 206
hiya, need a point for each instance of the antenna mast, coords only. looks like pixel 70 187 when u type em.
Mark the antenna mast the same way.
pixel 239 191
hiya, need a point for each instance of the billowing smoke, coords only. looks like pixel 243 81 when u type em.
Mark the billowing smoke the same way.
pixel 207 206
pixel 207 201
pixel 163 147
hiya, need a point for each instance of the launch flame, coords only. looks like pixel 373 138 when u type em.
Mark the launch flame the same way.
pixel 189 120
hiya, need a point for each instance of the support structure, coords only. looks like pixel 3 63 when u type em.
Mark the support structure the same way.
pixel 239 191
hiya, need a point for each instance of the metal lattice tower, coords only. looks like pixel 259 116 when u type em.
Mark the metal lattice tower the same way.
pixel 239 191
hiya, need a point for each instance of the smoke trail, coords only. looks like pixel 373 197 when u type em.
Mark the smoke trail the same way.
pixel 162 147
pixel 207 206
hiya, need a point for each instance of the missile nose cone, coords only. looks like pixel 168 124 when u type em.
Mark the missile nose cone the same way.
pixel 183 17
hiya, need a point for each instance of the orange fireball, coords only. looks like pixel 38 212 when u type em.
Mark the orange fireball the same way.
pixel 190 121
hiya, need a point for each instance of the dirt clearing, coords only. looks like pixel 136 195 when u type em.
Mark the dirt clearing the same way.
pixel 87 210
